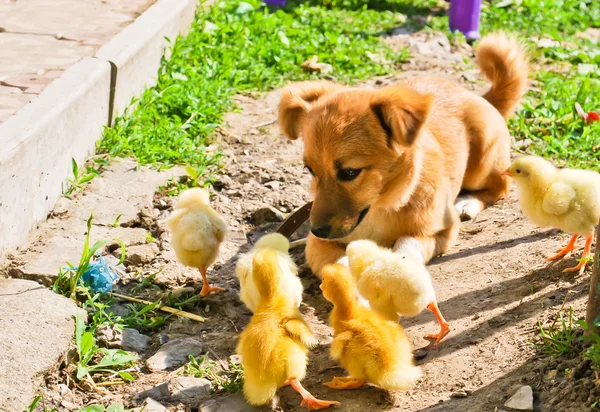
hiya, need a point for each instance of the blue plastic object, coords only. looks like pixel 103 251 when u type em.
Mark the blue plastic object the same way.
pixel 99 276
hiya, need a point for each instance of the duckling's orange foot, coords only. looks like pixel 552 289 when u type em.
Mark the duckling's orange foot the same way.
pixel 584 256
pixel 345 383
pixel 567 250
pixel 206 289
pixel 579 268
pixel 307 398
pixel 315 404
pixel 440 335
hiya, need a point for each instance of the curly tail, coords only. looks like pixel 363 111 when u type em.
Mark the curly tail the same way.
pixel 504 63
pixel 266 273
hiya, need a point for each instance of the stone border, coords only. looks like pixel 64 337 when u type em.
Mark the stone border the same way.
pixel 68 117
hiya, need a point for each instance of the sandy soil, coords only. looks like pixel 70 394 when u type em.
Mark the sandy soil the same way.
pixel 493 286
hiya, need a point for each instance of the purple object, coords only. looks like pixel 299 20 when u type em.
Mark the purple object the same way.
pixel 279 3
pixel 464 17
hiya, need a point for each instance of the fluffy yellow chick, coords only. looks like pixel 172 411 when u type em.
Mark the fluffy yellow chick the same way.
pixel 274 345
pixel 371 348
pixel 290 284
pixel 197 232
pixel 566 199
pixel 393 283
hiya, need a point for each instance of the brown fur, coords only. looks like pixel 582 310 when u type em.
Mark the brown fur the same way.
pixel 418 145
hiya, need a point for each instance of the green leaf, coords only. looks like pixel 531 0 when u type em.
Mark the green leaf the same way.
pixel 86 178
pixel 87 344
pixel 210 27
pixel 99 244
pixel 81 371
pixel 126 376
pixel 117 407
pixel 75 169
pixel 79 329
pixel 283 38
pixel 192 172
pixel 92 408
pixel 114 357
pixel 244 8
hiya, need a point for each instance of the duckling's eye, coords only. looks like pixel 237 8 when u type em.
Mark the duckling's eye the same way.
pixel 346 175
pixel 518 171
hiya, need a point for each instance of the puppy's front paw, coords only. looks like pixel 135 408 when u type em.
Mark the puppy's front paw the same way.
pixel 468 207
pixel 411 247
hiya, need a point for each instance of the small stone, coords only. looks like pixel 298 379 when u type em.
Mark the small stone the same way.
pixel 420 353
pixel 459 394
pixel 235 359
pixel 184 387
pixel 234 403
pixel 174 353
pixel 551 375
pixel 128 339
pixel 522 400
pixel 118 310
pixel 158 392
pixel 109 336
pixel 275 185
pixel 139 254
pixel 150 405
pixel 134 341
pixel 266 215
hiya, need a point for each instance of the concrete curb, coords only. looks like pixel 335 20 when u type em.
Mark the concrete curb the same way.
pixel 39 141
pixel 135 52
pixel 68 117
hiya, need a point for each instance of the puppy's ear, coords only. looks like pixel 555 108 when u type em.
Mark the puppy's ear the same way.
pixel 296 101
pixel 401 113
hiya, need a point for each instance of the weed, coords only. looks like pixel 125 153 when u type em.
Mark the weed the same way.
pixel 79 178
pixel 117 219
pixel 559 341
pixel 149 238
pixel 147 281
pixel 230 380
pixel 592 352
pixel 32 407
pixel 68 280
pixel 88 353
pixel 115 407
pixel 144 317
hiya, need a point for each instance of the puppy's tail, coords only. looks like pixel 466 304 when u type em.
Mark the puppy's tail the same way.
pixel 504 62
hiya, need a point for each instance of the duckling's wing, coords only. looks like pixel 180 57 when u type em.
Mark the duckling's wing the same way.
pixel 558 198
pixel 298 329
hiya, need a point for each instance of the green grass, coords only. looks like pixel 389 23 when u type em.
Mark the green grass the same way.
pixel 559 340
pixel 237 47
pixel 230 379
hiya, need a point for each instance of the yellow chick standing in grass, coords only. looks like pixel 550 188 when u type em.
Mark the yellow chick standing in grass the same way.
pixel 393 283
pixel 566 199
pixel 369 347
pixel 274 345
pixel 197 232
pixel 290 284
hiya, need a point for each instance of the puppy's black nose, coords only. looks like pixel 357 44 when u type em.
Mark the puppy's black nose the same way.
pixel 321 232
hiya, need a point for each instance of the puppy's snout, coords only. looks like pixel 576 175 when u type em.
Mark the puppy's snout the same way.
pixel 321 232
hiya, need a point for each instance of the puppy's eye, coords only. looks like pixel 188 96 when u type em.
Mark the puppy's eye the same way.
pixel 518 171
pixel 310 170
pixel 346 175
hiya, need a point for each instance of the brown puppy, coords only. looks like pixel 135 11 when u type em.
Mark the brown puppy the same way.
pixel 389 164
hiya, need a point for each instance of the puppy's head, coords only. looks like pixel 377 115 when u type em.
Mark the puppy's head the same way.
pixel 354 143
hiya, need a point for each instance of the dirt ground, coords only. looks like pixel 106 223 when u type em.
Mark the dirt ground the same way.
pixel 493 286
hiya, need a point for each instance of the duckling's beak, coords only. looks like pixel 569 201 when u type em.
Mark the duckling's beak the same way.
pixel 507 172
